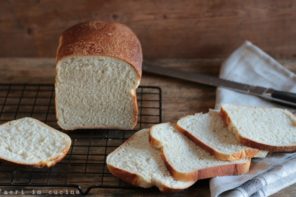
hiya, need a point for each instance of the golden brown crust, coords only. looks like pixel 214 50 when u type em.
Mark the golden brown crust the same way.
pixel 253 143
pixel 225 117
pixel 136 109
pixel 223 170
pixel 154 142
pixel 244 154
pixel 97 38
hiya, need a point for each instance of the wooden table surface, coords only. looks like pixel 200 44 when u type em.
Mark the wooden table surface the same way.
pixel 179 98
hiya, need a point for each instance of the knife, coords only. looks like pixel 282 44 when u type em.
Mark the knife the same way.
pixel 281 97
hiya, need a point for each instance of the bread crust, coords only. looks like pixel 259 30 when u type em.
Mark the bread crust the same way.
pixel 252 143
pixel 97 38
pixel 244 154
pixel 223 170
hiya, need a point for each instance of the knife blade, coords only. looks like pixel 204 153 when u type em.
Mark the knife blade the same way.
pixel 281 97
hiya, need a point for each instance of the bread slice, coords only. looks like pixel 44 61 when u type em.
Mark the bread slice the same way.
pixel 210 132
pixel 270 129
pixel 138 163
pixel 27 141
pixel 187 161
pixel 98 71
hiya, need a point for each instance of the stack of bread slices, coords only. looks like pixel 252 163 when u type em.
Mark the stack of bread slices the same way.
pixel 173 156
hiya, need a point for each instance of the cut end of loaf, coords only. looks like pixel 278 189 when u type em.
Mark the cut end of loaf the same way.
pixel 96 92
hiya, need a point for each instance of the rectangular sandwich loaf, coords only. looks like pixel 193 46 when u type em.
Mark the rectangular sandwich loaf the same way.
pixel 99 67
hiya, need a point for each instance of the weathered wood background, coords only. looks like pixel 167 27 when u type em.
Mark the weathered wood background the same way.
pixel 166 28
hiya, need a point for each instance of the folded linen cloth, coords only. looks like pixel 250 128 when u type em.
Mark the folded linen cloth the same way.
pixel 249 64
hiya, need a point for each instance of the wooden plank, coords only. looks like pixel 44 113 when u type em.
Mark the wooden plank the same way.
pixel 167 29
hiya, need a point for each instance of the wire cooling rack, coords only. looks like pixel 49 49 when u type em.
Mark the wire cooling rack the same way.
pixel 84 167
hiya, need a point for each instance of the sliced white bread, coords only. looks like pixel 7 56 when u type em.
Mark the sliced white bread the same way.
pixel 188 162
pixel 138 163
pixel 98 71
pixel 28 141
pixel 270 129
pixel 210 132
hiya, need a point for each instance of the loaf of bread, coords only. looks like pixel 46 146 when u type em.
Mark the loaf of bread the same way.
pixel 187 161
pixel 99 67
pixel 271 129
pixel 138 163
pixel 210 132
pixel 27 141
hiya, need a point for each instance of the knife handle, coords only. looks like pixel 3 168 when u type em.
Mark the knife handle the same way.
pixel 289 97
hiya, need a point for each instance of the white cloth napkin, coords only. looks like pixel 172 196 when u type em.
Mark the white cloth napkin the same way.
pixel 249 64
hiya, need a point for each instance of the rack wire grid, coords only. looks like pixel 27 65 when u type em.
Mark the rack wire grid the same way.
pixel 84 167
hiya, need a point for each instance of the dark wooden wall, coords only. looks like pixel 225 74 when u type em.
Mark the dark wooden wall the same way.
pixel 166 28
